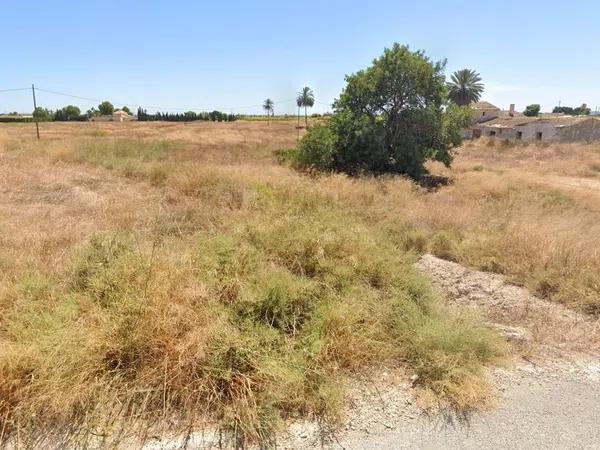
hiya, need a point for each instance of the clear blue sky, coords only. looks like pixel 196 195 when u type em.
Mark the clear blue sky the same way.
pixel 233 54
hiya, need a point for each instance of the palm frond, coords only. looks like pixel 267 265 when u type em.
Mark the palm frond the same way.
pixel 465 87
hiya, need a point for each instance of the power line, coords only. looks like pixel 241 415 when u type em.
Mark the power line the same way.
pixel 14 90
pixel 163 108
pixel 79 97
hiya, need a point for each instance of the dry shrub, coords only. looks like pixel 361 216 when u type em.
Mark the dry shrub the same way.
pixel 242 323
pixel 253 289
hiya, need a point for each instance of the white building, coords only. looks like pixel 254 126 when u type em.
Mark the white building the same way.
pixel 546 129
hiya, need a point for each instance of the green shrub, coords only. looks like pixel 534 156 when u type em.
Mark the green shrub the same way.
pixel 316 149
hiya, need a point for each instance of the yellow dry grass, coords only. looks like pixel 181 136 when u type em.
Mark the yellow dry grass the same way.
pixel 163 275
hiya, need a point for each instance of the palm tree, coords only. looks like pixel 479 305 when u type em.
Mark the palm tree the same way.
pixel 465 87
pixel 269 107
pixel 299 104
pixel 306 98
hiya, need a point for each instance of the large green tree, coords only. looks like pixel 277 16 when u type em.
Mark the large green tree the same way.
pixel 42 114
pixel 106 108
pixel 390 118
pixel 69 112
pixel 465 87
pixel 269 108
pixel 306 99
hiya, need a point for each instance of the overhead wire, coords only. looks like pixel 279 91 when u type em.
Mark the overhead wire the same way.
pixel 163 108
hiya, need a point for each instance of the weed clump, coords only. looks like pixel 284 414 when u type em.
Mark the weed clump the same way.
pixel 242 307
pixel 250 326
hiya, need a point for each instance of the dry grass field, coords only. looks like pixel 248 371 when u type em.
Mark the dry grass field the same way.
pixel 157 276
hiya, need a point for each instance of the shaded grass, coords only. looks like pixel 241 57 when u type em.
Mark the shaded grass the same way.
pixel 243 323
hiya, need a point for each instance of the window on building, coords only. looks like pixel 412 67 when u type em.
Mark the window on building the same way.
pixel 492 133
pixel 519 135
pixel 538 135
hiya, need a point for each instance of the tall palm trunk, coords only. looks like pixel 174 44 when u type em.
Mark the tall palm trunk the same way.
pixel 298 127
pixel 305 117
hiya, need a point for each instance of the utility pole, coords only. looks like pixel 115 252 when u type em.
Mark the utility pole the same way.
pixel 37 127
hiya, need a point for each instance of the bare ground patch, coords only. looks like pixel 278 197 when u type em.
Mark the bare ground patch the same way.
pixel 552 326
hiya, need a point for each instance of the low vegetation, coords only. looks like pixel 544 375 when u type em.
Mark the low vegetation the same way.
pixel 239 299
pixel 161 278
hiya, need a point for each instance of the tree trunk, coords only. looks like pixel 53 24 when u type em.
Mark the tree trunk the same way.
pixel 306 117
pixel 298 127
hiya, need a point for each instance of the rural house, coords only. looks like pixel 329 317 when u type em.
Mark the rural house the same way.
pixel 117 116
pixel 483 111
pixel 545 129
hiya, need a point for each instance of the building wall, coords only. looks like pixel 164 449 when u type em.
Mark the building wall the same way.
pixel 500 133
pixel 581 132
pixel 551 131
pixel 530 131
pixel 481 115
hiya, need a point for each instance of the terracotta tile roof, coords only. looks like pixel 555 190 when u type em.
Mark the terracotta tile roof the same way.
pixel 508 122
pixel 485 105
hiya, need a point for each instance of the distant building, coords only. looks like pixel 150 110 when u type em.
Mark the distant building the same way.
pixel 545 129
pixel 117 116
pixel 485 111
pixel 121 116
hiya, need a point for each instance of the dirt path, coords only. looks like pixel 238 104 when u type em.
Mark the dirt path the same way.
pixel 588 184
pixel 558 411
pixel 554 329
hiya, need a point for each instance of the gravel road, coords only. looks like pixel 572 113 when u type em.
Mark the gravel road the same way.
pixel 533 414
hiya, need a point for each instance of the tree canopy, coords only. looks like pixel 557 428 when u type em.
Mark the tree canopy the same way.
pixel 106 108
pixel 42 114
pixel 269 107
pixel 306 99
pixel 465 87
pixel 568 110
pixel 532 110
pixel 390 118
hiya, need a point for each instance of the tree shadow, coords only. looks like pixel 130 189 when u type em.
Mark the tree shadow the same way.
pixel 434 182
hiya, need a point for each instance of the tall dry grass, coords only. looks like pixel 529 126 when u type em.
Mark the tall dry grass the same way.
pixel 157 276
pixel 151 286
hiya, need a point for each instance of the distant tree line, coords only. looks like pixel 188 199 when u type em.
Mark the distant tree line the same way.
pixel 189 116
pixel 582 110
pixel 69 113
pixel 72 113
